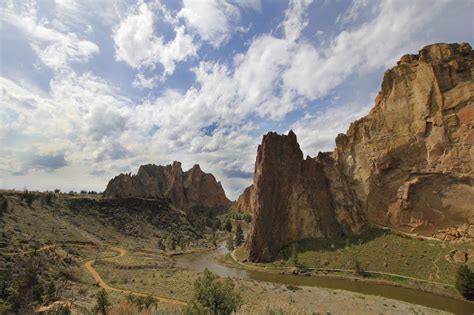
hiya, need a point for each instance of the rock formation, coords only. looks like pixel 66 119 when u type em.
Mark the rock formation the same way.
pixel 192 188
pixel 246 201
pixel 408 164
pixel 292 199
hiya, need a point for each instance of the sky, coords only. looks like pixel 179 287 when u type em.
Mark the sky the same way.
pixel 90 89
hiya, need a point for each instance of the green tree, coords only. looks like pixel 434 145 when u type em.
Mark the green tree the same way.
pixel 102 303
pixel 294 254
pixel 358 271
pixel 465 282
pixel 230 243
pixel 239 236
pixel 228 226
pixel 28 290
pixel 214 296
pixel 161 245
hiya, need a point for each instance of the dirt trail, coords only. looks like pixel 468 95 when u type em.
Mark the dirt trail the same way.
pixel 89 265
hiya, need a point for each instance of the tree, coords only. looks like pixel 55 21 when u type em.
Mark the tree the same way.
pixel 358 271
pixel 465 282
pixel 239 236
pixel 172 245
pixel 214 296
pixel 102 302
pixel 230 243
pixel 216 225
pixel 228 226
pixel 294 254
pixel 161 245
pixel 28 290
pixel 4 206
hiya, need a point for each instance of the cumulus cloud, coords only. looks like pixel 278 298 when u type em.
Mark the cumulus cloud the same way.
pixel 137 44
pixel 54 48
pixel 213 20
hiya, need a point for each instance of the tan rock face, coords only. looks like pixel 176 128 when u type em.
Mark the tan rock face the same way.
pixel 246 201
pixel 409 160
pixel 184 189
pixel 408 164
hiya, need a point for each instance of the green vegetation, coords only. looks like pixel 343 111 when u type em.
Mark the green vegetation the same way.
pixel 237 215
pixel 378 250
pixel 143 302
pixel 228 226
pixel 241 254
pixel 230 243
pixel 27 290
pixel 102 302
pixel 294 254
pixel 465 282
pixel 239 236
pixel 28 197
pixel 213 296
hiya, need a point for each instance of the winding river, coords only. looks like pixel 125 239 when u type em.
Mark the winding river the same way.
pixel 200 261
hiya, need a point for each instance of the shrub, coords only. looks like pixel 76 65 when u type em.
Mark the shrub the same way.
pixel 239 236
pixel 28 197
pixel 294 254
pixel 230 243
pixel 465 282
pixel 143 302
pixel 102 302
pixel 214 296
pixel 228 226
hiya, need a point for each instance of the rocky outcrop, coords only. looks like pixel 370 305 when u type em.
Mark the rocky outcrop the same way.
pixel 408 164
pixel 292 199
pixel 409 161
pixel 186 190
pixel 246 201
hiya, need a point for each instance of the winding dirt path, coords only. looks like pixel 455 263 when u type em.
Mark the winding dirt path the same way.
pixel 89 265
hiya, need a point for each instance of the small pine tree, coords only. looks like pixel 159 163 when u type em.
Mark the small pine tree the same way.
pixel 102 302
pixel 358 271
pixel 230 243
pixel 239 236
pixel 294 254
pixel 465 282
pixel 228 226
pixel 161 245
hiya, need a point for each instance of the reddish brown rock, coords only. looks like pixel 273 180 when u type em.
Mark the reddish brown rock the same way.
pixel 184 189
pixel 292 199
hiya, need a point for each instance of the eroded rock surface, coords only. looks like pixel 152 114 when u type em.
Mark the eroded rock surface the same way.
pixel 192 188
pixel 408 164
pixel 292 199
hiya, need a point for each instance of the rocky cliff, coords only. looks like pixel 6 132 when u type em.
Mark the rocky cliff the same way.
pixel 192 188
pixel 246 201
pixel 292 199
pixel 408 164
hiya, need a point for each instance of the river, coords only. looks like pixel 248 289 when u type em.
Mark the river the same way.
pixel 199 261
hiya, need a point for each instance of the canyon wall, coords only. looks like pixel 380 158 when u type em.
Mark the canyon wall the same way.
pixel 408 164
pixel 192 188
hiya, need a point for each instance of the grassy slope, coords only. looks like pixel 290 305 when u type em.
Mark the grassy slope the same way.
pixel 385 252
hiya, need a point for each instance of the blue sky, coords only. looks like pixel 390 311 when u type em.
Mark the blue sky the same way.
pixel 92 88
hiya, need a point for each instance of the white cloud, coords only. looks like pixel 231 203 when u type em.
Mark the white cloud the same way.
pixel 213 20
pixel 137 44
pixel 55 49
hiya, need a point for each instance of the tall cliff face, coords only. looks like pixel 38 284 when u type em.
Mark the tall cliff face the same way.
pixel 410 160
pixel 246 201
pixel 184 189
pixel 292 199
pixel 408 164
